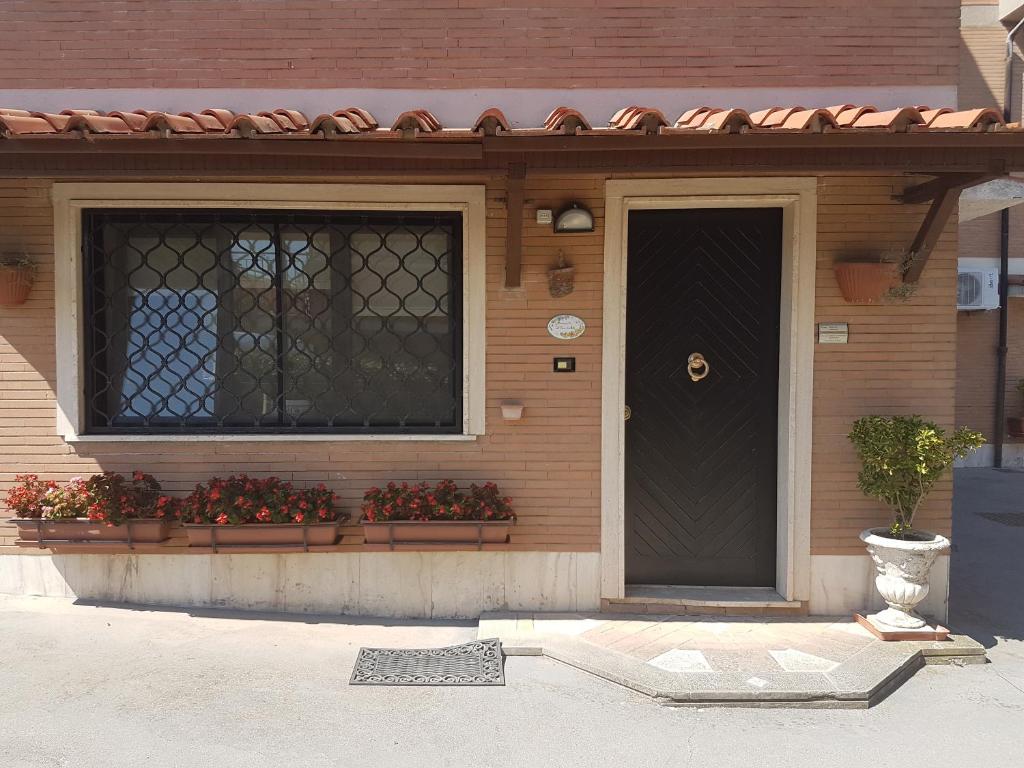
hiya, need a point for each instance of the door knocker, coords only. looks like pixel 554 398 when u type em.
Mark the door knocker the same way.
pixel 697 366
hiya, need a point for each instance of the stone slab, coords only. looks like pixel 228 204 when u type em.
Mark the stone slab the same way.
pixel 862 679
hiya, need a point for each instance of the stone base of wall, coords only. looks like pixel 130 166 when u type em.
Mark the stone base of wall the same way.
pixel 391 584
pixel 843 584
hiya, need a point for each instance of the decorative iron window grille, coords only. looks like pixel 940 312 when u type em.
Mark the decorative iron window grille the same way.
pixel 269 322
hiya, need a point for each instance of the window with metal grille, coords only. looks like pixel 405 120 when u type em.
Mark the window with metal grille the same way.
pixel 265 322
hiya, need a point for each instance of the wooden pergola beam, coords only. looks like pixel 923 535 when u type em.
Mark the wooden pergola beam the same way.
pixel 957 182
pixel 928 235
pixel 515 187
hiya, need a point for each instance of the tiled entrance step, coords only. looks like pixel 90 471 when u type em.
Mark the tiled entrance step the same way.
pixel 728 661
pixel 704 601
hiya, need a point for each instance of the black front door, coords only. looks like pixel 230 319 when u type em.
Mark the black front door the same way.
pixel 700 486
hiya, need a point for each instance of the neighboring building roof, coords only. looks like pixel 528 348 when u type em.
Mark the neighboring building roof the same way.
pixel 354 122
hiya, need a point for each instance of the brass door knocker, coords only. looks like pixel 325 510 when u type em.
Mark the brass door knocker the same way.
pixel 697 366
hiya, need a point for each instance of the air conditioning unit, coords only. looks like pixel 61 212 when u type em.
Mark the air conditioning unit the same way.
pixel 977 289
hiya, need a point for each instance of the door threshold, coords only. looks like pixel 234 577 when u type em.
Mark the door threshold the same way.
pixel 707 597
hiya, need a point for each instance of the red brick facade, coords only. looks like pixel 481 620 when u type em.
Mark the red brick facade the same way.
pixel 478 44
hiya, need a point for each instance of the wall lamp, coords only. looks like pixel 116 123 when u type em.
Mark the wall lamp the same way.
pixel 575 218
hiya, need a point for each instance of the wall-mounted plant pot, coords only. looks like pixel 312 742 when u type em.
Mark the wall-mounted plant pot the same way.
pixel 80 530
pixel 408 532
pixel 561 281
pixel 865 282
pixel 1015 426
pixel 276 535
pixel 15 284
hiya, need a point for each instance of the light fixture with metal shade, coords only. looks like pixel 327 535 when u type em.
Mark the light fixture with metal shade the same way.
pixel 575 218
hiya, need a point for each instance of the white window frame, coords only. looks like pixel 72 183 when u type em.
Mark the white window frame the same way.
pixel 71 198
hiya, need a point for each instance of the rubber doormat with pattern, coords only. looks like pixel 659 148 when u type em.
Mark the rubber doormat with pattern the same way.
pixel 476 663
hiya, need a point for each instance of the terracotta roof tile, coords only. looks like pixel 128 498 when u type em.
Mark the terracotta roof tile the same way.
pixel 814 120
pixel 851 114
pixel 645 119
pixel 354 122
pixel 566 120
pixel 929 115
pixel 136 120
pixel 416 121
pixel 249 124
pixel 90 122
pixel 983 119
pixel 224 116
pixel 491 122
pixel 332 125
pixel 760 116
pixel 891 120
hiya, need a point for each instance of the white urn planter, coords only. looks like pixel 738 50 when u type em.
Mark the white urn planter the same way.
pixel 902 580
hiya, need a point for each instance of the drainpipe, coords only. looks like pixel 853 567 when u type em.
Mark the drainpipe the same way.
pixel 1004 267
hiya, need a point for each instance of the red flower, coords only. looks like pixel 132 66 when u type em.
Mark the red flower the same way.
pixel 299 517
pixel 222 519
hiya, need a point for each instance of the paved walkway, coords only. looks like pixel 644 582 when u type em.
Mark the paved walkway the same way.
pixel 683 660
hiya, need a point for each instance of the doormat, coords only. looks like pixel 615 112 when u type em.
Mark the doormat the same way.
pixel 476 663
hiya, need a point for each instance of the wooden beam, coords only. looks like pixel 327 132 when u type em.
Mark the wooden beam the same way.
pixel 928 235
pixel 284 146
pixel 957 182
pixel 514 199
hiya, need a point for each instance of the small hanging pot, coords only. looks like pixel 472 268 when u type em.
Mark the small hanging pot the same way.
pixel 562 278
pixel 865 282
pixel 16 282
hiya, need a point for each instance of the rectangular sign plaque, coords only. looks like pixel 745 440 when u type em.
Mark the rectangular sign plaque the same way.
pixel 833 333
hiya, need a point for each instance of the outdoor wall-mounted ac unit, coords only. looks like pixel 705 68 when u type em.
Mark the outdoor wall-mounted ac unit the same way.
pixel 977 289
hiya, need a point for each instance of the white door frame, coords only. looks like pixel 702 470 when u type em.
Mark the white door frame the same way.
pixel 797 197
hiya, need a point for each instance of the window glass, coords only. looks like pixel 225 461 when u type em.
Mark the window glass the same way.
pixel 261 322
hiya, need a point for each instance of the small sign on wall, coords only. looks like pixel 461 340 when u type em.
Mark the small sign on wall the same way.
pixel 833 333
pixel 566 327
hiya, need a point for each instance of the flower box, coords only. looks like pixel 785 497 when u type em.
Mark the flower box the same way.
pixel 440 514
pixel 304 535
pixel 477 532
pixel 81 530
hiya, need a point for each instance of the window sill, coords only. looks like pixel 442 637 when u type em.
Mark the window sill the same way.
pixel 308 438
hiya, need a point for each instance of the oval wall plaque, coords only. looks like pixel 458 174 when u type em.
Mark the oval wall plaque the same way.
pixel 566 327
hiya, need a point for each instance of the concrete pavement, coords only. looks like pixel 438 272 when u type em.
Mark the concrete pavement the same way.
pixel 86 686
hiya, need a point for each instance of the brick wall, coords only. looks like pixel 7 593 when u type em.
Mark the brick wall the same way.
pixel 477 43
pixel 900 359
pixel 982 73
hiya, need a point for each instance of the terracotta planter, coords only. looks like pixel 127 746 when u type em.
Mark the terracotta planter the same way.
pixel 15 285
pixel 1015 426
pixel 79 530
pixel 262 535
pixel 436 532
pixel 865 282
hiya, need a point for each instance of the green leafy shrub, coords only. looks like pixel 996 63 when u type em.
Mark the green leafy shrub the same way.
pixel 903 457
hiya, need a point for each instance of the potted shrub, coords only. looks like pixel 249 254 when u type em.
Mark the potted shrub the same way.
pixel 1015 424
pixel 440 514
pixel 903 457
pixel 247 511
pixel 106 508
pixel 866 282
pixel 17 274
